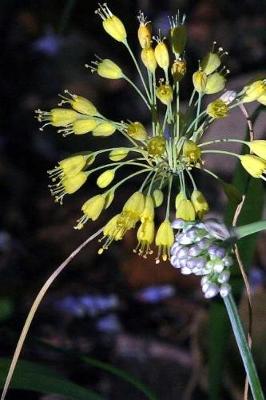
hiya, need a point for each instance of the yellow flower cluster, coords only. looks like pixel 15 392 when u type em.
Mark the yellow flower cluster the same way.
pixel 164 157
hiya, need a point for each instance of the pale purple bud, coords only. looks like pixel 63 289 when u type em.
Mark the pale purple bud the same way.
pixel 228 261
pixel 184 239
pixel 212 249
pixel 183 262
pixel 183 252
pixel 175 248
pixel 224 277
pixel 203 243
pixel 225 290
pixel 186 271
pixel 212 291
pixel 178 223
pixel 194 251
pixel 220 252
pixel 218 266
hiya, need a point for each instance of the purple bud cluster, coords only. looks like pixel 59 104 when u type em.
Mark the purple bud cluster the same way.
pixel 201 248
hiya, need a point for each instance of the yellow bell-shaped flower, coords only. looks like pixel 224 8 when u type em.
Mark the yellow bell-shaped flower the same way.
pixel 72 165
pixel 104 128
pixel 164 92
pixel 199 202
pixel 254 91
pixel 137 131
pixel 164 239
pixel 162 55
pixel 148 212
pixel 254 165
pixel 217 109
pixel 145 236
pixel 215 83
pixel 186 210
pixel 148 59
pixel 199 79
pixel 108 69
pixel 258 147
pixel 210 63
pixel 112 24
pixel 144 32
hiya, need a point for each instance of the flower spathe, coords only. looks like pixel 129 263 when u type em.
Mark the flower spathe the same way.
pixel 159 160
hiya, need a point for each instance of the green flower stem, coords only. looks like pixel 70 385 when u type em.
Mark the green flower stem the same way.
pixel 177 132
pixel 198 112
pixel 244 349
pixel 228 153
pixel 137 90
pixel 138 69
pixel 224 140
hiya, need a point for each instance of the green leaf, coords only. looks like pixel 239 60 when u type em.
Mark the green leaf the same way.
pixel 104 366
pixel 250 229
pixel 38 378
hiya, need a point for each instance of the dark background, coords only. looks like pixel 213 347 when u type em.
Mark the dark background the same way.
pixel 143 318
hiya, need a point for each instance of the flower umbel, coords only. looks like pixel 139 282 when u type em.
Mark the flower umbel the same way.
pixel 162 159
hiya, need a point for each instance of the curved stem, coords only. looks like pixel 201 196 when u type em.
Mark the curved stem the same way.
pixel 34 308
pixel 244 349
pixel 228 153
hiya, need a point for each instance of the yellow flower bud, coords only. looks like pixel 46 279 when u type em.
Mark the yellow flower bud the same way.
pixel 72 165
pixel 164 92
pixel 105 178
pixel 210 63
pixel 162 55
pixel 185 210
pixel 179 198
pixel 73 183
pixel 178 70
pixel 92 209
pixel 191 151
pixel 108 69
pixel 148 212
pixel 254 91
pixel 218 109
pixel 157 197
pixel 215 83
pixel 200 203
pixel 118 154
pixel 81 104
pixel 178 35
pixel 148 59
pixel 156 146
pixel 112 24
pixel 258 147
pixel 57 117
pixel 104 129
pixel 164 240
pixel 137 131
pixel 254 165
pixel 144 31
pixel 199 81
